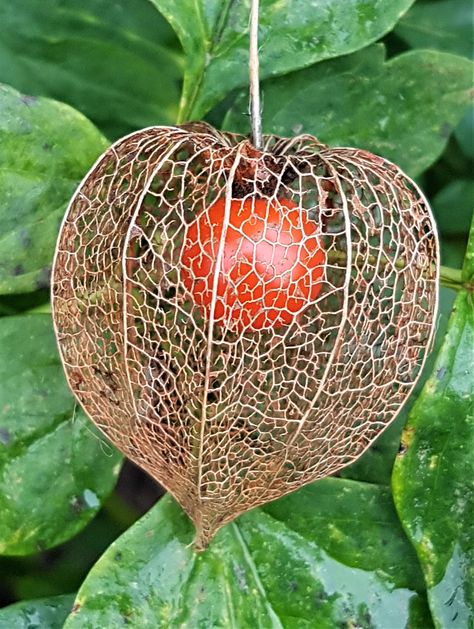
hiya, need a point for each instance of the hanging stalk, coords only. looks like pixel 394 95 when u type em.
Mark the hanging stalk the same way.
pixel 254 70
pixel 448 277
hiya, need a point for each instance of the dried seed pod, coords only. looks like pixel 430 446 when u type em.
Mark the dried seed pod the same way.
pixel 226 410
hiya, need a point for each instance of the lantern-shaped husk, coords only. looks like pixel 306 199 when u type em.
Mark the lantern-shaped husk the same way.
pixel 225 417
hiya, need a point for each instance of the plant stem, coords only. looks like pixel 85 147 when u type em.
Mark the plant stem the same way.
pixel 451 276
pixel 448 277
pixel 255 113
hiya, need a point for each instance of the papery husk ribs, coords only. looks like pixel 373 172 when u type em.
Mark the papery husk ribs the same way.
pixel 229 420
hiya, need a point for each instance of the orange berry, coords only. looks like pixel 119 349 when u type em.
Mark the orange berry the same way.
pixel 271 266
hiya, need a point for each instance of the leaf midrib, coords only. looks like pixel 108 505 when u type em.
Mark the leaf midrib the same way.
pixel 254 571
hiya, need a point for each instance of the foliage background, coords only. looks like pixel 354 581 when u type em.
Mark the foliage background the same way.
pixel 386 544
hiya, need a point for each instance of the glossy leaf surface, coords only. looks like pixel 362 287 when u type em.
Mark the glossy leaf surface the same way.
pixel 110 60
pixel 47 148
pixel 332 554
pixel 432 479
pixel 293 33
pixel 447 25
pixel 403 109
pixel 55 469
pixel 465 133
pixel 43 613
pixel 453 207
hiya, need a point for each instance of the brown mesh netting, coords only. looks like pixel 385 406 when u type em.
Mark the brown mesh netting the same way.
pixel 240 323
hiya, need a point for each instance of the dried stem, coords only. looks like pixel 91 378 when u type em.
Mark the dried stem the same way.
pixel 255 112
pixel 448 277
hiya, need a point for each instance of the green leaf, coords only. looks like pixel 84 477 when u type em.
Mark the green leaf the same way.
pixel 375 465
pixel 433 476
pixel 331 555
pixel 447 25
pixel 452 251
pixel 55 469
pixel 16 304
pixel 293 34
pixel 465 133
pixel 403 109
pixel 43 613
pixel 64 568
pixel 47 148
pixel 453 207
pixel 109 60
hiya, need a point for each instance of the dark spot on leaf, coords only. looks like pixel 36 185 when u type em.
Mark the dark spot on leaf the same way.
pixel 445 130
pixel 320 597
pixel 402 448
pixel 47 147
pixel 18 270
pixel 77 504
pixel 407 437
pixel 452 598
pixel 28 100
pixel 118 556
pixel 292 586
pixel 366 619
pixel 5 436
pixel 24 237
pixel 441 373
pixel 75 608
pixel 44 277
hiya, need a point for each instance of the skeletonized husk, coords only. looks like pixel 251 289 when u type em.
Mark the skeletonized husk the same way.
pixel 226 419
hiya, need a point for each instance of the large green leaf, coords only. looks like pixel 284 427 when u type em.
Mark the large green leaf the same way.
pixel 46 149
pixel 109 60
pixel 433 475
pixel 293 34
pixel 453 206
pixel 55 470
pixel 332 555
pixel 43 613
pixel 403 109
pixel 445 25
pixel 465 133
